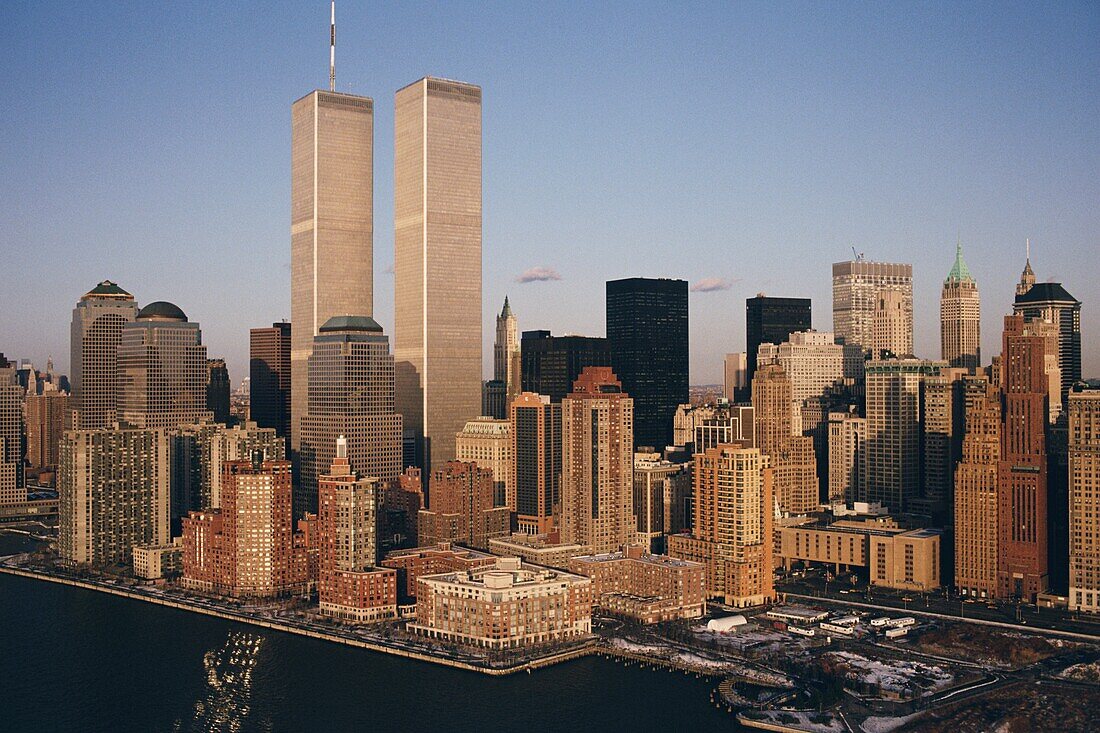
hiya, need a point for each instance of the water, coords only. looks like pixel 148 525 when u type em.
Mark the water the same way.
pixel 78 660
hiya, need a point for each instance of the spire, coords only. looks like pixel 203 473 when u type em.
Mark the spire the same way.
pixel 959 271
pixel 507 310
pixel 332 49
pixel 1027 277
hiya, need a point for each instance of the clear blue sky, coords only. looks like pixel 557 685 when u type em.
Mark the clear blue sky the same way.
pixel 149 143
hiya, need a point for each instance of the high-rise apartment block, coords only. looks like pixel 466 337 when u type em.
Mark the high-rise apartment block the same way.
pixel 269 377
pixel 162 370
pixel 1022 563
pixel 597 463
pixel 350 393
pixel 536 454
pixel 97 324
pixel 1084 499
pixel 488 443
pixel 847 436
pixel 551 364
pixel 961 317
pixel 647 332
pixel 707 426
pixel 349 586
pixel 113 492
pixel 943 415
pixel 12 488
pixel 732 529
pixel 858 288
pixel 462 508
pixel 772 321
pixel 791 454
pixel 975 500
pixel 506 355
pixel 437 262
pixel 662 499
pixel 48 416
pixel 331 223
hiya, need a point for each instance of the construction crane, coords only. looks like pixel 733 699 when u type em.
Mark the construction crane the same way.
pixel 857 256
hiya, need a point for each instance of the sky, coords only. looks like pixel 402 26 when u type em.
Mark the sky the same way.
pixel 743 147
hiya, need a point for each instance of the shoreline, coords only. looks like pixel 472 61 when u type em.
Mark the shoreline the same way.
pixel 538 663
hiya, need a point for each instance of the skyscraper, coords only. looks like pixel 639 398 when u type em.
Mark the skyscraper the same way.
pixel 1084 499
pixel 12 488
pixel 847 442
pixel 790 454
pixel 462 507
pixel 269 377
pixel 162 370
pixel 551 364
pixel 960 317
pixel 48 416
pixel 857 286
pixel 96 328
pixel 732 527
pixel 892 325
pixel 536 457
pixel 597 463
pixel 1051 302
pixel 772 321
pixel 647 332
pixel 488 443
pixel 350 393
pixel 437 262
pixel 217 390
pixel 506 354
pixel 975 515
pixel 331 222
pixel 349 586
pixel 1022 469
pixel 735 376
pixel 113 493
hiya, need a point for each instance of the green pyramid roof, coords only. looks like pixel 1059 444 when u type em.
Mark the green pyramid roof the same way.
pixel 959 272
pixel 109 289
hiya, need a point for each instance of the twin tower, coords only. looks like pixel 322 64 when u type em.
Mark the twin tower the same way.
pixel 437 246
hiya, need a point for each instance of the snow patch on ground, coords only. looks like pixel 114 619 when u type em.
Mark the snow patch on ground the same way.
pixel 894 675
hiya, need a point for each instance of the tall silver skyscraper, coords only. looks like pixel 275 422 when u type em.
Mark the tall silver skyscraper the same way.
pixel 859 288
pixel 97 324
pixel 437 263
pixel 331 223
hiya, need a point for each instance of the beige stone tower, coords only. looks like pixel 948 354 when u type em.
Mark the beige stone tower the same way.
pixel 960 317
pixel 331 223
pixel 437 262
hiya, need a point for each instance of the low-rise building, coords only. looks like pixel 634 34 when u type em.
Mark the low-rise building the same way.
pixel 153 562
pixel 509 604
pixel 538 549
pixel 432 560
pixel 643 587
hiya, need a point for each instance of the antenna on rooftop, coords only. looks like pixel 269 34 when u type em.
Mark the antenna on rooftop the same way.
pixel 332 50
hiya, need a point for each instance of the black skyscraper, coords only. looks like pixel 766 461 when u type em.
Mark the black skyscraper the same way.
pixel 550 364
pixel 772 321
pixel 647 331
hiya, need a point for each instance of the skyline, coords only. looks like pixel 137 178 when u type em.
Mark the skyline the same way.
pixel 854 164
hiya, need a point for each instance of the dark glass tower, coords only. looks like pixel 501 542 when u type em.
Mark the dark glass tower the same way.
pixel 550 364
pixel 647 332
pixel 772 321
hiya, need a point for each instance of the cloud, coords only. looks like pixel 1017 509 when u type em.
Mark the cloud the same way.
pixel 538 274
pixel 711 284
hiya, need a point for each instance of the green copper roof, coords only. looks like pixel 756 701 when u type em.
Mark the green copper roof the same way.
pixel 959 272
pixel 507 310
pixel 108 288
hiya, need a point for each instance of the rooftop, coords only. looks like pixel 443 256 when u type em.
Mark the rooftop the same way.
pixel 959 272
pixel 351 323
pixel 161 310
pixel 1046 292
pixel 108 289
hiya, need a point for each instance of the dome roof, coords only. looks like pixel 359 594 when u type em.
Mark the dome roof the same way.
pixel 351 323
pixel 161 310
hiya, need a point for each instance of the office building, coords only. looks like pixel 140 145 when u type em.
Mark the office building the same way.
pixel 12 478
pixel 349 586
pixel 892 457
pixel 96 328
pixel 858 287
pixel 1022 562
pixel 644 588
pixel 47 417
pixel 488 443
pixel 892 325
pixel 494 399
pixel 269 377
pixel 647 332
pixel 735 376
pixel 217 390
pixel 662 499
pixel 975 500
pixel 732 528
pixel 162 370
pixel 113 492
pixel 351 394
pixel 1084 499
pixel 536 474
pixel 961 317
pixel 597 463
pixel 331 224
pixel 847 438
pixel 772 321
pixel 506 355
pixel 437 263
pixel 943 415
pixel 551 364
pixel 507 605
pixel 790 454
pixel 461 507
pixel 1051 302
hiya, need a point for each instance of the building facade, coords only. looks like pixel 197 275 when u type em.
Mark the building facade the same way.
pixel 217 390
pixel 647 332
pixel 437 262
pixel 506 356
pixel 961 317
pixel 644 588
pixel 488 443
pixel 662 499
pixel 857 286
pixel 12 479
pixel 536 474
pixel 772 321
pixel 462 507
pixel 412 564
pixel 846 441
pixel 551 364
pixel 975 515
pixel 1052 302
pixel 96 328
pixel 735 377
pixel 1084 499
pixel 269 377
pixel 47 417
pixel 790 454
